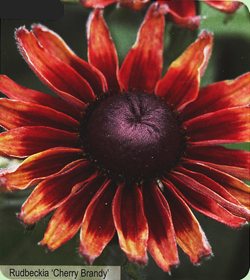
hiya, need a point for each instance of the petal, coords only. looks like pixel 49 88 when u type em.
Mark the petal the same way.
pixel 53 192
pixel 57 75
pixel 193 193
pixel 221 95
pixel 183 13
pixel 189 234
pixel 224 126
pixel 37 167
pixel 98 226
pixel 14 114
pixel 213 190
pixel 130 223
pixel 132 4
pixel 25 141
pixel 225 6
pixel 180 85
pixel 235 187
pixel 67 219
pixel 142 66
pixel 96 3
pixel 58 48
pixel 233 162
pixel 17 92
pixel 101 50
pixel 161 242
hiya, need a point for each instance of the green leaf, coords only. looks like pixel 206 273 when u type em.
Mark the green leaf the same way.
pixel 223 24
pixel 132 270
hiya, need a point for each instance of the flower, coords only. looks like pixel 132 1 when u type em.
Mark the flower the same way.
pixel 181 12
pixel 123 150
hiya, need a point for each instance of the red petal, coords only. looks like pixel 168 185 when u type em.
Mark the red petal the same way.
pixel 53 192
pixel 96 3
pixel 213 190
pixel 161 242
pixel 14 114
pixel 224 126
pixel 233 162
pixel 142 66
pixel 57 75
pixel 58 48
pixel 67 219
pixel 25 141
pixel 221 95
pixel 98 226
pixel 189 234
pixel 130 223
pixel 225 6
pixel 183 13
pixel 17 92
pixel 184 8
pixel 36 168
pixel 101 50
pixel 180 85
pixel 195 195
pixel 132 4
pixel 235 187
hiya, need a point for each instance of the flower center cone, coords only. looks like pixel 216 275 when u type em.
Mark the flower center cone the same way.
pixel 133 135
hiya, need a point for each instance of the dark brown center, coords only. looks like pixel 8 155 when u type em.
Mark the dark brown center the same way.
pixel 133 135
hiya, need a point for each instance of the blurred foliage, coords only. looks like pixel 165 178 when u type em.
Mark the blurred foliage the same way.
pixel 230 58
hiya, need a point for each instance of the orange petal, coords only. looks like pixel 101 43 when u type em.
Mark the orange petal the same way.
pixel 71 87
pixel 233 162
pixel 183 13
pixel 180 85
pixel 132 4
pixel 221 95
pixel 189 234
pixel 235 187
pixel 225 6
pixel 28 140
pixel 37 167
pixel 53 192
pixel 96 3
pixel 58 48
pixel 17 92
pixel 130 223
pixel 67 219
pixel 14 114
pixel 161 242
pixel 98 226
pixel 142 66
pixel 195 194
pixel 212 128
pixel 213 190
pixel 101 50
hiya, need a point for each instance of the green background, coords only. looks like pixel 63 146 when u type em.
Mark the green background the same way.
pixel 230 58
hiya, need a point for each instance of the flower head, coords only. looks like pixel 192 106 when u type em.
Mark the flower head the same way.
pixel 123 150
pixel 181 12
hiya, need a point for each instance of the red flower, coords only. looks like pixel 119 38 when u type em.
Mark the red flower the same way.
pixel 182 12
pixel 126 151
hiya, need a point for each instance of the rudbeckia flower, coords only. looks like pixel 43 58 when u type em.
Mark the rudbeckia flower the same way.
pixel 182 12
pixel 124 151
